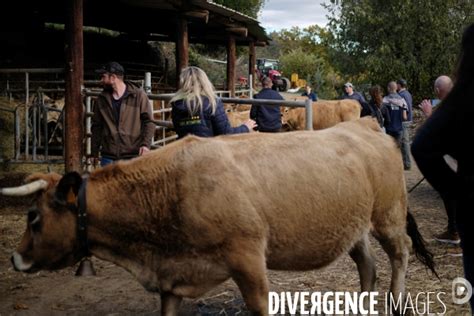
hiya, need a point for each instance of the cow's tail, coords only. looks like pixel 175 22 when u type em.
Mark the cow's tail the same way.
pixel 421 252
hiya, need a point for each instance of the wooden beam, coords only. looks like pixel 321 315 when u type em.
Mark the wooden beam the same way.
pixel 182 47
pixel 260 44
pixel 74 112
pixel 252 63
pixel 198 14
pixel 231 56
pixel 241 31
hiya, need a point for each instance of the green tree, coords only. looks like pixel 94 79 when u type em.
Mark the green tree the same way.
pixel 305 51
pixel 375 41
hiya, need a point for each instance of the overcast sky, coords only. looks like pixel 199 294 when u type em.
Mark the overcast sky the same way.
pixel 283 14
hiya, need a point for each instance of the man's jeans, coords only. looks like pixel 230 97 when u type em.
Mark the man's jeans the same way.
pixel 405 145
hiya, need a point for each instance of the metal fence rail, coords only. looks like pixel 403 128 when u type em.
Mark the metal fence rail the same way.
pixel 33 143
pixel 38 132
pixel 163 125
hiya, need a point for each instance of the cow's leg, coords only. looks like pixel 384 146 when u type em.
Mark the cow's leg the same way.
pixel 396 244
pixel 170 304
pixel 246 260
pixel 398 252
pixel 363 256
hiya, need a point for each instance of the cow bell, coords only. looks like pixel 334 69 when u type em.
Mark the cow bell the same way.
pixel 85 268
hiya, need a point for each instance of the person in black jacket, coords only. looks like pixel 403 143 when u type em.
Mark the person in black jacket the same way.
pixel 349 93
pixel 442 86
pixel 196 110
pixel 446 135
pixel 268 117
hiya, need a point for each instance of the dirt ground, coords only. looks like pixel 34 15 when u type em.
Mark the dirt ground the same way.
pixel 115 292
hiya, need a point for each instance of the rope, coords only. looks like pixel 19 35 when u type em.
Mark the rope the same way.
pixel 417 184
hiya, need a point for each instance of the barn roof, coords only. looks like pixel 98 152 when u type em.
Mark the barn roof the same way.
pixel 208 22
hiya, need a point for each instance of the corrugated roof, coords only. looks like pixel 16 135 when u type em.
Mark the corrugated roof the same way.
pixel 226 10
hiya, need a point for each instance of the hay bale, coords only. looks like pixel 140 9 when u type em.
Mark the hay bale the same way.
pixel 7 128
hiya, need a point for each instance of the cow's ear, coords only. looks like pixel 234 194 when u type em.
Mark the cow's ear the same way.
pixel 68 188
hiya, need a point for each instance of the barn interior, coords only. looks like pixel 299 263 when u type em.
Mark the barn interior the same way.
pixel 33 34
pixel 56 45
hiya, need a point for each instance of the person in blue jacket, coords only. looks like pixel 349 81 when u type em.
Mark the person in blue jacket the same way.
pixel 349 93
pixel 397 109
pixel 309 93
pixel 268 117
pixel 196 110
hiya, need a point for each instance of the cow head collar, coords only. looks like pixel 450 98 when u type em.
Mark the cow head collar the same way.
pixel 76 185
pixel 82 218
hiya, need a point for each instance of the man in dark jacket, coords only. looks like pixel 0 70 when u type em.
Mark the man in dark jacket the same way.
pixel 122 126
pixel 268 117
pixel 397 108
pixel 442 87
pixel 449 132
pixel 309 93
pixel 349 93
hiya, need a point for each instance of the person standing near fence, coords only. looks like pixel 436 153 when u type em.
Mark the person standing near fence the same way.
pixel 268 117
pixel 122 126
pixel 450 131
pixel 308 92
pixel 196 110
pixel 349 93
pixel 406 125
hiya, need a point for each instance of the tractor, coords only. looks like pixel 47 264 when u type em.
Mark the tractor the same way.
pixel 271 68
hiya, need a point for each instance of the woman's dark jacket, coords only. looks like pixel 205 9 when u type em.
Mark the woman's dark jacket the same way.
pixel 203 123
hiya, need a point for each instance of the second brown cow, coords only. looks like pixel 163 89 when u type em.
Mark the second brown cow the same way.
pixel 326 113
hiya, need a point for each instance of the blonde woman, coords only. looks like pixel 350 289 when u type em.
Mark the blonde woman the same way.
pixel 196 109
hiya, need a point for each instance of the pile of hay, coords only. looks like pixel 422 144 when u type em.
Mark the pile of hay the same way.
pixel 7 127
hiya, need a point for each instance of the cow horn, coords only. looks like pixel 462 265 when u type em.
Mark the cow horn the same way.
pixel 25 189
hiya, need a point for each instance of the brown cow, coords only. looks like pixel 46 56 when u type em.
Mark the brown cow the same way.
pixel 325 114
pixel 192 214
pixel 238 118
pixel 231 107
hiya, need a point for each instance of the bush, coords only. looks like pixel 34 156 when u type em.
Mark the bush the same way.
pixel 314 70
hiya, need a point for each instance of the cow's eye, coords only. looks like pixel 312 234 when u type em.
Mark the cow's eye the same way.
pixel 33 218
pixel 32 215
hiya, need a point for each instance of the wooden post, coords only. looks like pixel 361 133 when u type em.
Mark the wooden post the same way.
pixel 182 48
pixel 252 62
pixel 231 65
pixel 74 112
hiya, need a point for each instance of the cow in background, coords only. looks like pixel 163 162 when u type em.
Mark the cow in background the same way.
pixel 231 107
pixel 186 217
pixel 326 113
pixel 238 118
